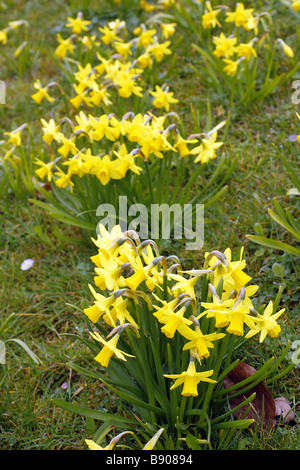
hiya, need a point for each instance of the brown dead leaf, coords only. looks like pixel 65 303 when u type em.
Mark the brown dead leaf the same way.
pixel 264 409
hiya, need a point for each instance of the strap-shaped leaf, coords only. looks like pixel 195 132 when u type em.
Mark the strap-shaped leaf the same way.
pixel 274 244
pixel 89 413
pixel 284 224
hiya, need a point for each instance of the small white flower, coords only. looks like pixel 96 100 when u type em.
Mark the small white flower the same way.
pixel 27 264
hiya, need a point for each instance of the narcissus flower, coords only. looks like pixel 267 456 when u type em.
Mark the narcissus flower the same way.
pixel 239 316
pixel 41 93
pixel 286 48
pixel 240 16
pixel 172 320
pixel 92 445
pixel 200 343
pixel 190 379
pixel 246 50
pixel 206 150
pixel 77 24
pixel 45 169
pixel 51 131
pixel 109 349
pixel 266 323
pixel 159 50
pixel 168 29
pixel 232 66
pixel 163 98
pixel 15 136
pixel 3 36
pixel 65 45
pixel 296 5
pixel 225 46
pixel 209 19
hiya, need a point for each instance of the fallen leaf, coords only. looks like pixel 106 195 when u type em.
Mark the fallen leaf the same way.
pixel 284 412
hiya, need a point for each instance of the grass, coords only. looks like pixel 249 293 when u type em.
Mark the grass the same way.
pixel 47 300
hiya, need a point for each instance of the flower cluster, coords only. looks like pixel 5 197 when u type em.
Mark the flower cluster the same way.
pixel 230 48
pixel 100 143
pixel 127 269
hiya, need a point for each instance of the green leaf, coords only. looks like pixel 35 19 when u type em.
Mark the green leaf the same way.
pixel 284 224
pixel 276 245
pixel 134 401
pixel 238 424
pixel 94 414
pixel 233 410
pixel 26 348
pixel 278 270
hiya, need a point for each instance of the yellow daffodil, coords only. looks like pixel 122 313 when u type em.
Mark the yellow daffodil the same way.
pixel 51 131
pixel 209 19
pixel 238 317
pixel 158 51
pixel 151 444
pixel 92 445
pixel 45 169
pixel 163 98
pixel 199 342
pixel 168 29
pixel 296 5
pixel 109 349
pixel 266 323
pixel 68 145
pixel 190 379
pixel 286 48
pixel 65 45
pixel 15 136
pixel 173 321
pixel 246 50
pixel 77 24
pixel 225 46
pixel 234 278
pixel 146 37
pixel 231 67
pixel 63 179
pixel 240 16
pixel 181 145
pixel 3 36
pixel 41 93
pixel 108 35
pixel 206 150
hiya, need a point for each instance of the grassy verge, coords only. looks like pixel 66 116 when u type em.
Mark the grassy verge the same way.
pixel 43 298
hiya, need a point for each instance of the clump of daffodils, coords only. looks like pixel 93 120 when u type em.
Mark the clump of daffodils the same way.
pixel 128 271
pixel 109 148
pixel 239 35
pixel 95 140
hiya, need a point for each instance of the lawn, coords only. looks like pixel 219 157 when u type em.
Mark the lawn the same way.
pixel 53 394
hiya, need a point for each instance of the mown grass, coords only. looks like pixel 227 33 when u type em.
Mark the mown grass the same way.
pixel 48 299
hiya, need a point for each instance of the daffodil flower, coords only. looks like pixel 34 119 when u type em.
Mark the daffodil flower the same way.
pixel 225 46
pixel 190 379
pixel 240 16
pixel 77 24
pixel 109 349
pixel 163 98
pixel 266 323
pixel 207 149
pixel 209 19
pixel 92 445
pixel 41 93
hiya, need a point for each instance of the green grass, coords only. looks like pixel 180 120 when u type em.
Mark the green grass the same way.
pixel 41 296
